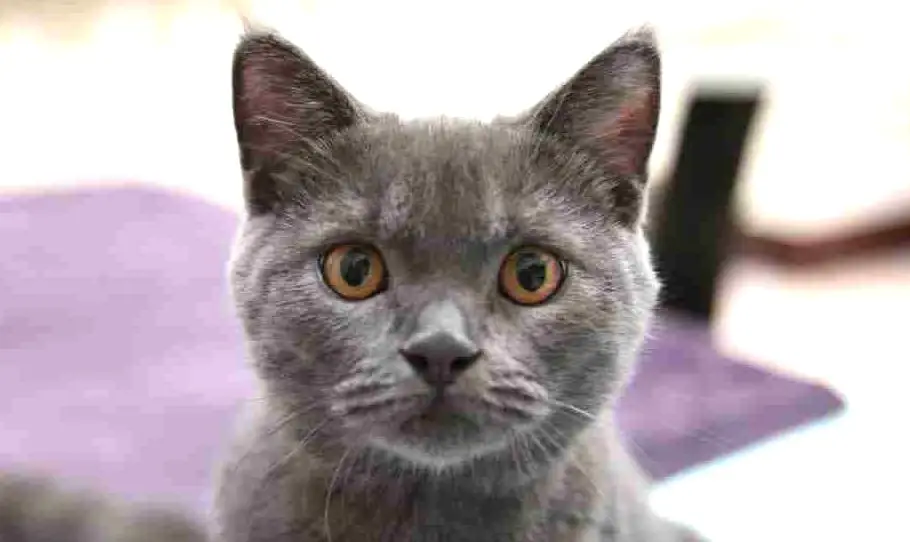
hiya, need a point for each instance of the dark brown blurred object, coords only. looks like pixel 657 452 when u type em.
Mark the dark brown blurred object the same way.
pixel 866 241
pixel 692 218
pixel 694 230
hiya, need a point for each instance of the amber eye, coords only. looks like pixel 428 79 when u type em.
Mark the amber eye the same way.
pixel 354 272
pixel 530 276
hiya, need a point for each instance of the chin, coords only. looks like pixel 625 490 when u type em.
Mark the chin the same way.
pixel 444 437
pixel 435 455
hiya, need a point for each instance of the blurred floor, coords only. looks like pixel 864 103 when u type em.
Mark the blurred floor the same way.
pixel 144 96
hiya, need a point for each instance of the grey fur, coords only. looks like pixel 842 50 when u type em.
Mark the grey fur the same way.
pixel 337 451
pixel 528 450
pixel 38 508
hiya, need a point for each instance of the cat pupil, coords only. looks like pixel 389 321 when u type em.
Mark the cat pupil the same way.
pixel 355 267
pixel 531 271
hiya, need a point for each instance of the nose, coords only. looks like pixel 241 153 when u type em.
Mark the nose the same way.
pixel 439 349
pixel 439 358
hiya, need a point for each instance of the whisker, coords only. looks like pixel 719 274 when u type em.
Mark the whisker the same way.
pixel 347 474
pixel 547 454
pixel 276 466
pixel 549 436
pixel 587 476
pixel 644 454
pixel 257 398
pixel 525 452
pixel 282 423
pixel 328 495
pixel 572 408
pixel 299 447
pixel 703 436
pixel 514 454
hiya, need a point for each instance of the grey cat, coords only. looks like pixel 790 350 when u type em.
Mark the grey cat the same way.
pixel 441 313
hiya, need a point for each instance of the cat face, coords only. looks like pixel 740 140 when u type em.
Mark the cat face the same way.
pixel 439 290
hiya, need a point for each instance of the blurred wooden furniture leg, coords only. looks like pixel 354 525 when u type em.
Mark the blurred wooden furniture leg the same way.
pixel 693 224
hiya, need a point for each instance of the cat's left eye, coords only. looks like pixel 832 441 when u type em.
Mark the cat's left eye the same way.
pixel 531 276
pixel 354 272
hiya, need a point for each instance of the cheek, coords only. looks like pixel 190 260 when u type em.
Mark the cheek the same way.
pixel 577 335
pixel 585 308
pixel 564 337
pixel 508 348
pixel 298 312
pixel 344 333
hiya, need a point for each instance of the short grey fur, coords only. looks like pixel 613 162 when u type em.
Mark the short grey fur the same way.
pixel 352 440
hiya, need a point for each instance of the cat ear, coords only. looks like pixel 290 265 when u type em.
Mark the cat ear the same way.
pixel 609 110
pixel 284 106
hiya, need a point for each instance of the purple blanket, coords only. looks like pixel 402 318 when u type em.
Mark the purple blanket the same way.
pixel 121 365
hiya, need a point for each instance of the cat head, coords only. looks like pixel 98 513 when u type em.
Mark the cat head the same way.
pixel 437 289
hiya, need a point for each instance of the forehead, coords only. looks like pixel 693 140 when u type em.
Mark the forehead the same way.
pixel 448 189
pixel 445 181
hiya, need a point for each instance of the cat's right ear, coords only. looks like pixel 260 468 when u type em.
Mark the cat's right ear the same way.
pixel 285 107
pixel 609 110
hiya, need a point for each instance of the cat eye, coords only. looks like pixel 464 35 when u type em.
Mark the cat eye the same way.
pixel 531 276
pixel 354 272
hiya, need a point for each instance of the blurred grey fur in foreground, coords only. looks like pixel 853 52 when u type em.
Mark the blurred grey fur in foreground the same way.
pixel 35 508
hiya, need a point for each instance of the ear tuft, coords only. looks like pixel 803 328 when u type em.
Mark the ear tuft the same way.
pixel 609 110
pixel 611 106
pixel 284 105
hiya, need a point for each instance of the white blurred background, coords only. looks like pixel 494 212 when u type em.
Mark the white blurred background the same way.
pixel 138 89
pixel 106 92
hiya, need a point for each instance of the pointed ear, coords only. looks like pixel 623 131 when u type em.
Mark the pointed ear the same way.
pixel 609 110
pixel 284 106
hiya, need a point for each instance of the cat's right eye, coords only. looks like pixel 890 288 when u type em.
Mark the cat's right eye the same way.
pixel 531 276
pixel 354 272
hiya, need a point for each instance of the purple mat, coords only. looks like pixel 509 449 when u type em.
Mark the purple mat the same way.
pixel 121 365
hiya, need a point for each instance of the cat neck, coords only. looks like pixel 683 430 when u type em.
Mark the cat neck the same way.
pixel 508 493
pixel 520 468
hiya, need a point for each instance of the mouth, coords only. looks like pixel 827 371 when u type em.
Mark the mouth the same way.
pixel 445 429
pixel 438 427
pixel 441 411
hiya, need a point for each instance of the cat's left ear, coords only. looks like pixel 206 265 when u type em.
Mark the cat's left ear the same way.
pixel 284 106
pixel 609 110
